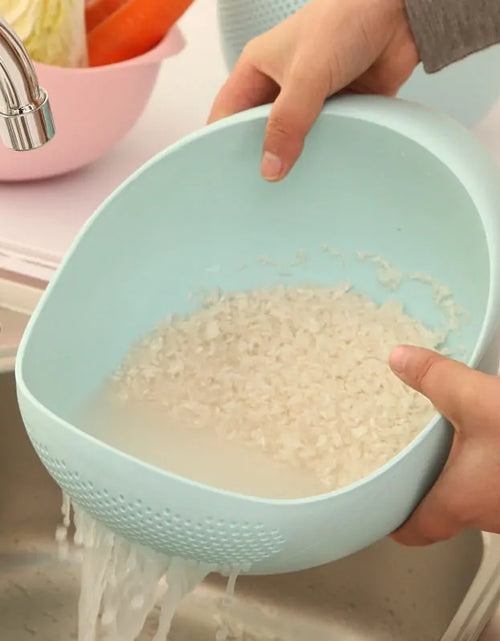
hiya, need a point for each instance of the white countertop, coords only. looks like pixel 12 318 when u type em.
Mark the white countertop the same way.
pixel 39 220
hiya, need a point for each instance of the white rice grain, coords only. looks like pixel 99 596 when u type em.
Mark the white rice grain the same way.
pixel 299 372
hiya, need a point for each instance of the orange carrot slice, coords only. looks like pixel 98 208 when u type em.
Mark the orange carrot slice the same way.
pixel 133 29
pixel 98 10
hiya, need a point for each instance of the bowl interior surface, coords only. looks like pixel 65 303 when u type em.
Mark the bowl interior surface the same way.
pixel 200 216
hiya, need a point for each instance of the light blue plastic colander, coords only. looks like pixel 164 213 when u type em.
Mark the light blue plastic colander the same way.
pixel 242 20
pixel 376 175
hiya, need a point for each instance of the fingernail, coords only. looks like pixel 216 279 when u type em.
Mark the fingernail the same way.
pixel 399 358
pixel 271 167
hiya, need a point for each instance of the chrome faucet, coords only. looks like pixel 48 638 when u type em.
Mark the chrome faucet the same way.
pixel 25 116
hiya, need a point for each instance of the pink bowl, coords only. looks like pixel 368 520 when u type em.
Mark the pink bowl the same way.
pixel 94 108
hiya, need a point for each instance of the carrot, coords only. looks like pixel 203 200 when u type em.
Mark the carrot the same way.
pixel 98 10
pixel 133 29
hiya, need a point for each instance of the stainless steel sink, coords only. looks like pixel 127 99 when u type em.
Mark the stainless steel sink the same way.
pixel 446 592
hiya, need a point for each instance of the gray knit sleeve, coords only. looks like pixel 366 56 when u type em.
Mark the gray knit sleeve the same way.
pixel 446 31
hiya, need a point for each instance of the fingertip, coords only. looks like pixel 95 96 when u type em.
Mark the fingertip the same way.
pixel 219 115
pixel 272 167
pixel 214 117
pixel 282 147
pixel 403 357
pixel 398 359
pixel 431 522
pixel 409 538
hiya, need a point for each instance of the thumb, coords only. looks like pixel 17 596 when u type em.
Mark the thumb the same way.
pixel 452 387
pixel 470 400
pixel 293 114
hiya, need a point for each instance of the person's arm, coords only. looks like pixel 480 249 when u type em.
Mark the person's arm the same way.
pixel 447 31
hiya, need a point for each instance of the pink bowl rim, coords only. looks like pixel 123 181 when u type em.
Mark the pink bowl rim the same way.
pixel 170 45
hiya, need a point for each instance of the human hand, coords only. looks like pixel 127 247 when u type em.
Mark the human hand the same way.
pixel 359 46
pixel 467 493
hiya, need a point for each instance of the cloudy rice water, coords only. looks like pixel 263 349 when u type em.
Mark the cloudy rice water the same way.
pixel 295 377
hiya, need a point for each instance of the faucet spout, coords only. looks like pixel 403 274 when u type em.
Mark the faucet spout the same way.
pixel 25 117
